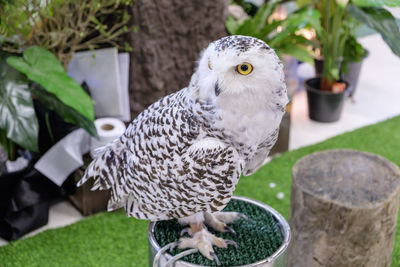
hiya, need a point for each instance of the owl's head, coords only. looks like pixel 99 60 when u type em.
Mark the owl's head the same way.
pixel 237 66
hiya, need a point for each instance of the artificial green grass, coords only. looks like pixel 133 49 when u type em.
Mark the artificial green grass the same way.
pixel 258 237
pixel 110 239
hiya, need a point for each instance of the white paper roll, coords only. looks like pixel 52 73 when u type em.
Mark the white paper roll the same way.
pixel 108 129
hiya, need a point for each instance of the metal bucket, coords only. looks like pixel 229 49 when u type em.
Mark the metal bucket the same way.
pixel 278 259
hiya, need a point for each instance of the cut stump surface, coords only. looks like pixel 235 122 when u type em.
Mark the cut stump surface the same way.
pixel 344 207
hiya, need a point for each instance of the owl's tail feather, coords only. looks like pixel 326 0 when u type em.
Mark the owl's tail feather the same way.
pixel 96 169
pixel 104 168
pixel 108 171
pixel 99 164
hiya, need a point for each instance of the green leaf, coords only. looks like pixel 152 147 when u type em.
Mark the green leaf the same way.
pixel 17 115
pixel 295 22
pixel 334 72
pixel 232 25
pixel 41 66
pixel 299 52
pixel 381 21
pixel 66 112
pixel 301 40
pixel 269 31
pixel 377 3
pixel 303 3
pixel 247 28
pixel 353 52
pixel 253 26
pixel 261 18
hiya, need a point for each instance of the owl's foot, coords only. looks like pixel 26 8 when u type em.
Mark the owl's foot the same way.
pixel 219 220
pixel 204 242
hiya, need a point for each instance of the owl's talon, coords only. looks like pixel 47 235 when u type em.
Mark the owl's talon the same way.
pixel 204 242
pixel 219 220
pixel 212 254
pixel 244 217
pixel 233 243
pixel 174 245
pixel 229 229
pixel 185 231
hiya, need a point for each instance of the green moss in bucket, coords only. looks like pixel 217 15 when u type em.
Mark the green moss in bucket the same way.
pixel 258 238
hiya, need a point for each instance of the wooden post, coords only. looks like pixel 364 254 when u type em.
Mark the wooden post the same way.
pixel 344 207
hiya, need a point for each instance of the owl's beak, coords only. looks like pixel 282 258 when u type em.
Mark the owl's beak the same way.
pixel 217 88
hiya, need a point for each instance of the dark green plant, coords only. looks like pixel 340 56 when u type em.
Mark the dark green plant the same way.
pixel 38 74
pixel 282 35
pixel 335 32
pixel 372 14
pixel 353 52
pixel 63 27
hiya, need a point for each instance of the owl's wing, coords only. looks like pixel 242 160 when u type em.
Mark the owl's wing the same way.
pixel 261 154
pixel 151 141
pixel 205 179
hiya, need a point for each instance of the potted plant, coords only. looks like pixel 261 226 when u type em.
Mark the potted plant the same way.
pixel 353 57
pixel 61 27
pixel 37 41
pixel 326 93
pixel 338 47
pixel 38 77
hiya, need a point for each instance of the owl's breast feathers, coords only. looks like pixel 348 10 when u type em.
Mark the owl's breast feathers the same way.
pixel 168 164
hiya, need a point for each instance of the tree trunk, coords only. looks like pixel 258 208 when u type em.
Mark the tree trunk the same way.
pixel 170 35
pixel 344 208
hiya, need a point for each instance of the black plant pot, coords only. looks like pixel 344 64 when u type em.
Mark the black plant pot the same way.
pixel 323 106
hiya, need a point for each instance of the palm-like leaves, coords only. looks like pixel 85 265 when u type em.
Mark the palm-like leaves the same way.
pixel 380 20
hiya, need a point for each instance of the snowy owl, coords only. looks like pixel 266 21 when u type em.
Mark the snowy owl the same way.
pixel 182 157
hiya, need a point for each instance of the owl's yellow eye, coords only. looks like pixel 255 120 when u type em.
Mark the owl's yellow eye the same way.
pixel 244 68
pixel 209 65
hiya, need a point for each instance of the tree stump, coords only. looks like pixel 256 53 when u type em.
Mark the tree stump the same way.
pixel 170 35
pixel 344 207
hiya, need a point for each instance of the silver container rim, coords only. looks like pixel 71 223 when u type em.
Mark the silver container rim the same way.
pixel 283 225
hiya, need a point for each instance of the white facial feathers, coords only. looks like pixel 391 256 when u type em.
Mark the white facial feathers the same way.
pixel 219 78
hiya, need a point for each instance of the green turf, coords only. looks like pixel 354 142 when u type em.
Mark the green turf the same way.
pixel 110 239
pixel 258 237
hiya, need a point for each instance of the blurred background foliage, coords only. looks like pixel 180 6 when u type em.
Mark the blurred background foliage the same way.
pixel 63 26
